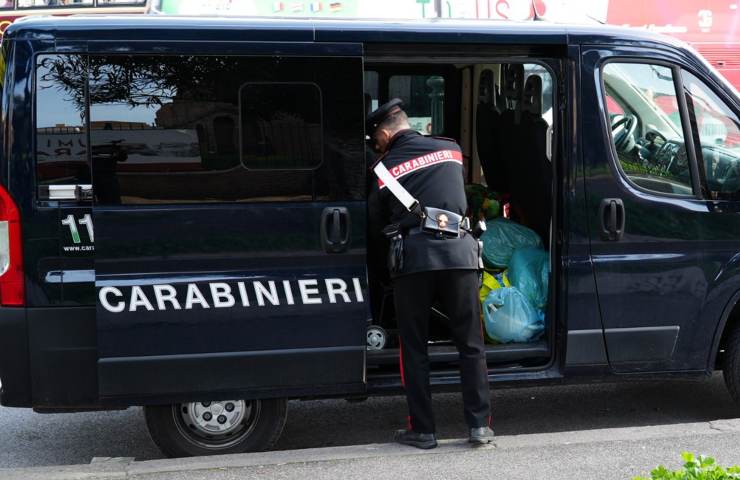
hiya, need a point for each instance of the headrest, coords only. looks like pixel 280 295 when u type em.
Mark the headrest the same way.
pixel 485 87
pixel 376 118
pixel 512 81
pixel 532 97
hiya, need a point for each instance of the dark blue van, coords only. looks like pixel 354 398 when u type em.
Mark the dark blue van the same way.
pixel 183 209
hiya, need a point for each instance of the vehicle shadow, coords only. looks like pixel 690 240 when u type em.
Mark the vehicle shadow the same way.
pixel 517 411
pixel 31 439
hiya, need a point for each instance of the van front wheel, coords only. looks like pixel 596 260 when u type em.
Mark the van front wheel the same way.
pixel 731 366
pixel 216 427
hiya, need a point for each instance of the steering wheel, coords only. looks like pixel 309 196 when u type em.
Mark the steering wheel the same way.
pixel 623 132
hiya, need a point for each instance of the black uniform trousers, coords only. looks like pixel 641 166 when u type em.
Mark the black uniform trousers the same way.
pixel 457 290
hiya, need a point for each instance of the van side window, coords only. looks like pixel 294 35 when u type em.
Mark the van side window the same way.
pixel 717 132
pixel 646 127
pixel 423 97
pixel 280 125
pixel 61 133
pixel 192 129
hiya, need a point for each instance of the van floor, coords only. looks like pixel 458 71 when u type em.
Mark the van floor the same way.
pixel 532 353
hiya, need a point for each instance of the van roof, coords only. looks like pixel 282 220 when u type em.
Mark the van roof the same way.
pixel 152 27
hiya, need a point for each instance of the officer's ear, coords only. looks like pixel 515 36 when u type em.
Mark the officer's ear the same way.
pixel 382 138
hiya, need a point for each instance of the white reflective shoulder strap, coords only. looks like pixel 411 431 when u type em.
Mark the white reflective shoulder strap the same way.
pixel 396 188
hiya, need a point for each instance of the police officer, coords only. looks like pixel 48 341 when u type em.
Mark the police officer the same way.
pixel 435 267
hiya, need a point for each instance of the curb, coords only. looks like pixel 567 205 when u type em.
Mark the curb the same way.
pixel 105 468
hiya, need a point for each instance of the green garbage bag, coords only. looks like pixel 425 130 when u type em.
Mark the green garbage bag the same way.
pixel 482 202
pixel 502 237
pixel 529 271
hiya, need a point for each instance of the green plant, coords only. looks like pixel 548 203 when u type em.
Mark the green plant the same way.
pixel 702 468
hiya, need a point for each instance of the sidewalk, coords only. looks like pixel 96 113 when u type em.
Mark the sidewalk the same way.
pixel 588 454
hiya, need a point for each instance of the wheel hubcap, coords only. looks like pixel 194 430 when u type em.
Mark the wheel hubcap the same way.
pixel 375 339
pixel 216 418
pixel 217 424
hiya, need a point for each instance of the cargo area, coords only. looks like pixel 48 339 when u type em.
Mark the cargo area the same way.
pixel 501 112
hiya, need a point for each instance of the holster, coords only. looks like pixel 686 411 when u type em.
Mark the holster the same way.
pixel 395 250
pixel 441 222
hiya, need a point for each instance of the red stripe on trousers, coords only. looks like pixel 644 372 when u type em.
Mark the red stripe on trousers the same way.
pixel 403 380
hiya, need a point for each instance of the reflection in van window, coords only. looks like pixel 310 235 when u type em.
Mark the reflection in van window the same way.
pixel 61 140
pixel 646 127
pixel 281 126
pixel 423 97
pixel 194 129
pixel 718 131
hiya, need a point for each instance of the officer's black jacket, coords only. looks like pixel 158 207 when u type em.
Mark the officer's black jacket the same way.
pixel 431 169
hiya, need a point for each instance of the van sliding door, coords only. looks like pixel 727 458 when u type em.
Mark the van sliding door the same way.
pixel 229 213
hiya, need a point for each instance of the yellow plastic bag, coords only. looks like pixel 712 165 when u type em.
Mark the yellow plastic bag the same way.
pixel 490 282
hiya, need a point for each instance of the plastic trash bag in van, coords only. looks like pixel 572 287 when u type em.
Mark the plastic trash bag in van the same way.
pixel 502 237
pixel 529 270
pixel 482 202
pixel 493 282
pixel 509 317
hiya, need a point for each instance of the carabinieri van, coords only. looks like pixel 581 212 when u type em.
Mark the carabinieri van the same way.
pixel 183 221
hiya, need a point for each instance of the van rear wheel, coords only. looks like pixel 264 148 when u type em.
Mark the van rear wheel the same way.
pixel 216 427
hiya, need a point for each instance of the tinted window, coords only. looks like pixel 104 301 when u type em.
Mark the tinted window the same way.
pixel 194 129
pixel 718 132
pixel 61 137
pixel 423 97
pixel 646 127
pixel 54 3
pixel 280 126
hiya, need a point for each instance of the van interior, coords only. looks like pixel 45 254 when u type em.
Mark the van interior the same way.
pixel 501 112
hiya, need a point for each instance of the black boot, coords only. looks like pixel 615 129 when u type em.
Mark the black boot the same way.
pixel 418 440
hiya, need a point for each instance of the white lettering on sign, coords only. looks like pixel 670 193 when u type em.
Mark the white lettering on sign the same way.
pixel 138 299
pixel 162 297
pixel 222 297
pixel 427 160
pixel 118 307
pixel 308 288
pixel 194 296
pixel 166 293
pixel 262 293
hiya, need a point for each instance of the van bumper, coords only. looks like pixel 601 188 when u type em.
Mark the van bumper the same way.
pixel 48 357
pixel 14 358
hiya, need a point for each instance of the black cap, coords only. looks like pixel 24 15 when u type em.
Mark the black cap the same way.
pixel 376 117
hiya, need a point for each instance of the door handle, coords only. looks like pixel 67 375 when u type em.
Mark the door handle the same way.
pixel 612 218
pixel 335 229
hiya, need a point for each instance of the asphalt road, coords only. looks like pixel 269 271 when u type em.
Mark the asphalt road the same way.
pixel 28 439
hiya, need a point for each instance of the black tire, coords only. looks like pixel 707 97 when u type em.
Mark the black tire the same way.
pixel 176 436
pixel 731 364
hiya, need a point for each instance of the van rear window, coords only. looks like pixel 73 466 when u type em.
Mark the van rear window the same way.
pixel 61 127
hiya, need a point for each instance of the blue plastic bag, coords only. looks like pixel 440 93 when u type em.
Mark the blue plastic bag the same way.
pixel 509 317
pixel 529 272
pixel 502 237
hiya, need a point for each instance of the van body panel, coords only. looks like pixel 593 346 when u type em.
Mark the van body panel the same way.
pixel 63 352
pixel 40 225
pixel 15 371
pixel 657 286
pixel 584 342
pixel 252 285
